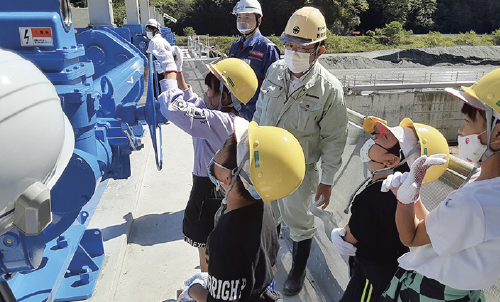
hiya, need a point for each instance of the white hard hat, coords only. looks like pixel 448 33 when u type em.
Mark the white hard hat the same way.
pixel 247 7
pixel 38 142
pixel 153 23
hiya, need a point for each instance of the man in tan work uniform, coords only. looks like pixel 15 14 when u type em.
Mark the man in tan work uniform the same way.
pixel 301 96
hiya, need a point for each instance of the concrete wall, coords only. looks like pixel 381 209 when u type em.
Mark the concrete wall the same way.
pixel 436 109
pixel 80 16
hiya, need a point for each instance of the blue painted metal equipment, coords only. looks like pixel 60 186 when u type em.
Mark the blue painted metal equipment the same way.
pixel 99 76
pixel 167 34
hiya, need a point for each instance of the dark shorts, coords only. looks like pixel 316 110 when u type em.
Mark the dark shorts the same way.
pixel 202 205
pixel 157 87
pixel 369 280
pixel 410 286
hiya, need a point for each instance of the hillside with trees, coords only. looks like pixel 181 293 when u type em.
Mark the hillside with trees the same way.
pixel 342 16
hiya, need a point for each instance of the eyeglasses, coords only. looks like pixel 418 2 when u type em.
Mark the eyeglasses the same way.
pixel 211 173
pixel 288 46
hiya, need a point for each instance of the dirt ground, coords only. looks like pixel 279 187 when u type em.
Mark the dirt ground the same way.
pixel 459 56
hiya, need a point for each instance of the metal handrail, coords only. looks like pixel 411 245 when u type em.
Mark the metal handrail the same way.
pixel 406 81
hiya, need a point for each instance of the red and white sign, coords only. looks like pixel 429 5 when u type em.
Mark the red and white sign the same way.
pixel 36 36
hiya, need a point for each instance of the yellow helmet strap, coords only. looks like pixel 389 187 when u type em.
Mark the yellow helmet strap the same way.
pixel 244 175
pixel 490 119
pixel 236 172
pixel 235 103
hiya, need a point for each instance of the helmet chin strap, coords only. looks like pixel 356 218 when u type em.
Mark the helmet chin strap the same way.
pixel 489 127
pixel 245 36
pixel 235 103
pixel 235 172
pixel 387 171
pixel 221 90
pixel 384 171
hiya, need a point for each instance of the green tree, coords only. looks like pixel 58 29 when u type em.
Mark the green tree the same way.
pixel 394 32
pixel 396 10
pixel 179 9
pixel 421 16
pixel 189 31
pixel 78 3
pixel 496 37
pixel 382 12
pixel 119 12
pixel 276 15
pixel 341 16
pixel 212 17
pixel 455 16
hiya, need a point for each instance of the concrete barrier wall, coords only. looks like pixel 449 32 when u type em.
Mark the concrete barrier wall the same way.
pixel 436 108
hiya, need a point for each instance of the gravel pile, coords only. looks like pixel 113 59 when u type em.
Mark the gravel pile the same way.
pixel 415 58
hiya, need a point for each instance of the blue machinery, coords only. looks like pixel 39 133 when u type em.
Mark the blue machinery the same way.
pixel 99 76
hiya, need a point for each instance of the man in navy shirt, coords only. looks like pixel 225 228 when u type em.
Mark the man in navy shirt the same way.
pixel 253 48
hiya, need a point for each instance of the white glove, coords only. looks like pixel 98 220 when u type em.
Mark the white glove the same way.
pixel 393 182
pixel 340 245
pixel 199 278
pixel 407 190
pixel 166 59
pixel 184 296
pixel 178 57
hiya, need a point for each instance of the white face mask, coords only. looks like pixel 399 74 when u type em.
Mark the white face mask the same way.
pixel 470 148
pixel 208 103
pixel 297 62
pixel 244 27
pixel 149 35
pixel 363 152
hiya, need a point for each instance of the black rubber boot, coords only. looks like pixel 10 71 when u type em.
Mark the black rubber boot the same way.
pixel 295 281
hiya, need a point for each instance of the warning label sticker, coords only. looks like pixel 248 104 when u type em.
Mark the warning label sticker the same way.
pixel 36 36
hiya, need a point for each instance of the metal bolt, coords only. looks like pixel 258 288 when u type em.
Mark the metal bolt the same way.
pixel 85 275
pixel 62 242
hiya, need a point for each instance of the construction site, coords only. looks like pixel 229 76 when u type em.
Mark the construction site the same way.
pixel 116 229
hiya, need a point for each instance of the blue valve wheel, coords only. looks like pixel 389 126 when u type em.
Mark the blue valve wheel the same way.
pixel 151 118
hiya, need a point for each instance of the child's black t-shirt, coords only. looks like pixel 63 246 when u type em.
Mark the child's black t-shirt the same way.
pixel 373 224
pixel 241 254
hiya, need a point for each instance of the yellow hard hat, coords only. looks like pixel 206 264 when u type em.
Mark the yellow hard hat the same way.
pixel 486 91
pixel 431 142
pixel 306 26
pixel 369 124
pixel 277 163
pixel 238 77
pixel 430 139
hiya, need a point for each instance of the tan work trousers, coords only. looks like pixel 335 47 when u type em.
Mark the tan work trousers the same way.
pixel 294 209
